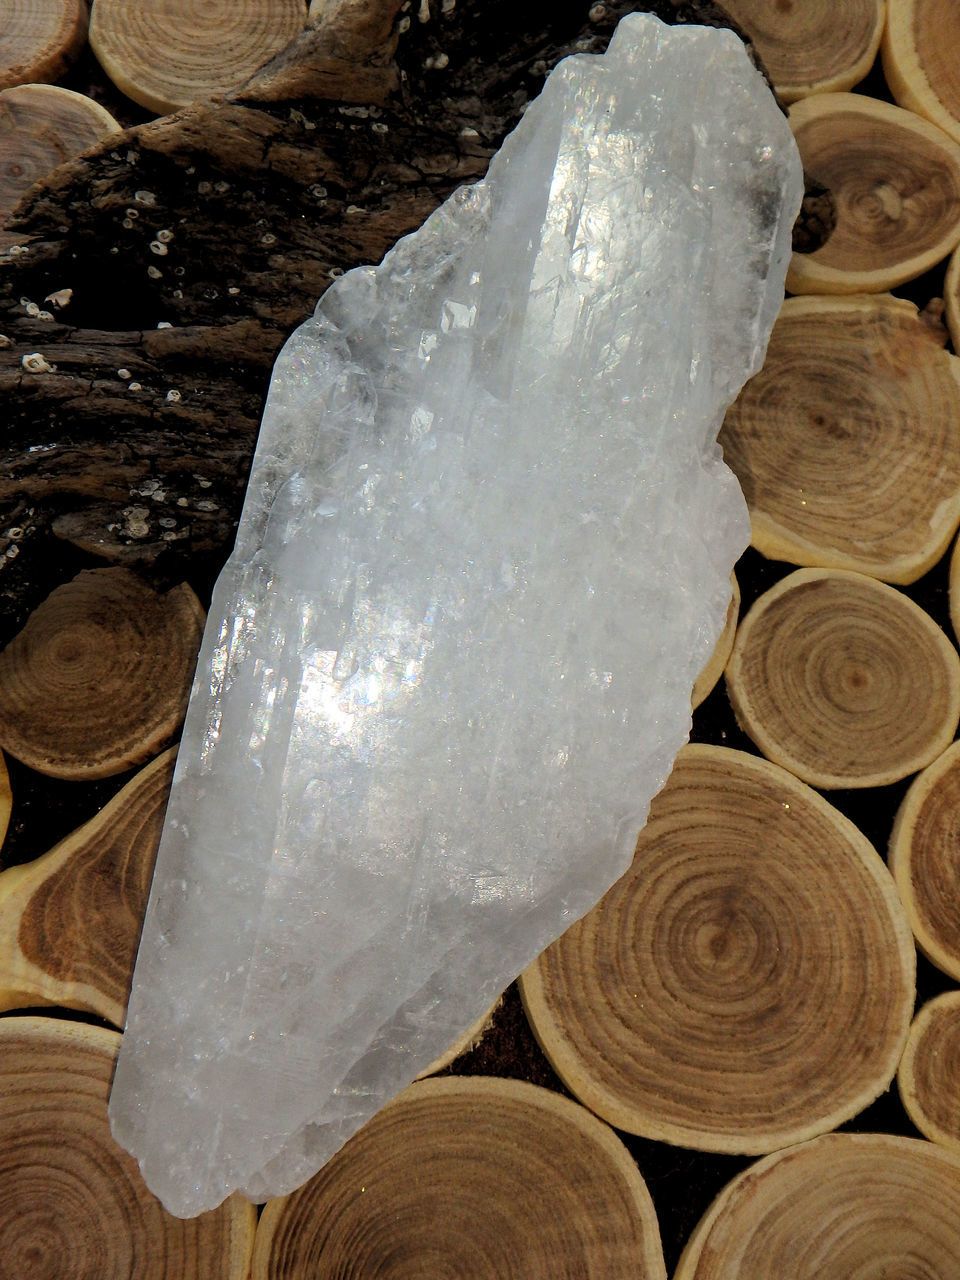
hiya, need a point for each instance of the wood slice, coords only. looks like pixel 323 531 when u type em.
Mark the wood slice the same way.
pixel 487 1178
pixel 70 921
pixel 920 47
pixel 843 680
pixel 711 673
pixel 41 126
pixel 39 39
pixel 812 46
pixel 925 860
pixel 929 1074
pixel 98 679
pixel 166 56
pixel 847 443
pixel 748 983
pixel 72 1203
pixel 847 1205
pixel 895 180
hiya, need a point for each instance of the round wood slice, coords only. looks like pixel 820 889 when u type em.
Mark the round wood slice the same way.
pixel 70 921
pixel 812 46
pixel 848 1205
pixel 98 679
pixel 41 126
pixel 925 860
pixel 711 673
pixel 39 38
pixel 921 59
pixel 463 1044
pixel 929 1074
pixel 896 182
pixel 847 443
pixel 469 1177
pixel 72 1203
pixel 843 680
pixel 166 56
pixel 748 983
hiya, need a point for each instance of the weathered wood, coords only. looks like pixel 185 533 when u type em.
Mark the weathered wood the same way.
pixel 265 196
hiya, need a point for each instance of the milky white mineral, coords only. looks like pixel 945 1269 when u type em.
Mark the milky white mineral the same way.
pixel 485 551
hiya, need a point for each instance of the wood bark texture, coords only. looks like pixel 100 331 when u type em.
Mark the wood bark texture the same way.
pixel 343 143
pixel 475 1177
pixel 748 983
pixel 41 127
pixel 847 443
pixel 73 1203
pixel 843 680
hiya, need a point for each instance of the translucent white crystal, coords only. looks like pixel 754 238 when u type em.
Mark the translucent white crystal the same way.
pixel 485 552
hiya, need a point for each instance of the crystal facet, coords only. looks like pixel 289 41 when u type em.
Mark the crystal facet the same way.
pixel 485 550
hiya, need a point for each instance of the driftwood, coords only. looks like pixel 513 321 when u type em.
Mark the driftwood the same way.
pixel 226 222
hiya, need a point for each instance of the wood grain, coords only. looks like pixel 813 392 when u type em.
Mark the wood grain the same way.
pixel 924 857
pixel 72 1203
pixel 166 54
pixel 921 43
pixel 748 983
pixel 929 1074
pixel 487 1178
pixel 42 126
pixel 846 1205
pixel 39 39
pixel 847 443
pixel 812 46
pixel 843 680
pixel 895 180
pixel 98 679
pixel 70 921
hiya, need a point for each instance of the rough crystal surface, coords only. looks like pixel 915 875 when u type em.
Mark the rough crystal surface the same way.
pixel 485 551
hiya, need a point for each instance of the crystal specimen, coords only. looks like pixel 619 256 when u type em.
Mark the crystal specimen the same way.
pixel 485 551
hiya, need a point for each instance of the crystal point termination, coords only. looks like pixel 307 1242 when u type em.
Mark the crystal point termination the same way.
pixel 484 553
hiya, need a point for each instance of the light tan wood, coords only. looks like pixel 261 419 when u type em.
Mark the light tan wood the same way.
pixel 929 1074
pixel 469 1177
pixel 924 857
pixel 929 1070
pixel 812 46
pixel 98 679
pixel 168 53
pixel 6 799
pixel 463 1044
pixel 843 680
pixel 70 921
pixel 846 1205
pixel 711 673
pixel 41 126
pixel 896 182
pixel 72 1203
pixel 39 39
pixel 921 59
pixel 847 443
pixel 748 983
